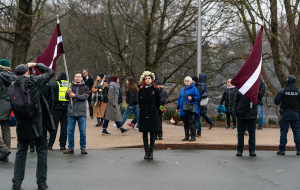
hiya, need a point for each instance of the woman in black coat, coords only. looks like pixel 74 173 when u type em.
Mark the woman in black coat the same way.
pixel 246 114
pixel 228 97
pixel 149 102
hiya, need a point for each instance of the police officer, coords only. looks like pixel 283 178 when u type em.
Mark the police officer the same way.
pixel 60 111
pixel 289 97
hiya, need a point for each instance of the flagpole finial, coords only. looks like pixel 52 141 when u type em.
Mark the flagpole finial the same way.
pixel 57 20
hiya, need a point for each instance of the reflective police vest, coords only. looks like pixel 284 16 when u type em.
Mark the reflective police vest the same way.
pixel 291 99
pixel 63 86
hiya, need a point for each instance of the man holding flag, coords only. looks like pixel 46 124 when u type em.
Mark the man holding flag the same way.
pixel 247 81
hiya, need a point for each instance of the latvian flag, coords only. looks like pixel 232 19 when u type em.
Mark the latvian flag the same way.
pixel 53 51
pixel 247 80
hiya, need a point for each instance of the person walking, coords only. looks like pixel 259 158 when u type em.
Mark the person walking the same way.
pixel 6 79
pixel 261 93
pixel 289 98
pixel 228 97
pixel 197 120
pixel 33 121
pixel 112 111
pixel 131 99
pixel 188 95
pixel 79 93
pixel 88 80
pixel 99 105
pixel 149 102
pixel 163 99
pixel 246 114
pixel 60 111
pixel 204 99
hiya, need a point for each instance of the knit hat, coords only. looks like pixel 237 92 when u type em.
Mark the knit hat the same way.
pixel 101 75
pixel 291 79
pixel 4 64
pixel 195 79
pixel 21 69
pixel 114 78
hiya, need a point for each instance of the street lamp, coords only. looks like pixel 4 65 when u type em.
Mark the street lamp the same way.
pixel 199 39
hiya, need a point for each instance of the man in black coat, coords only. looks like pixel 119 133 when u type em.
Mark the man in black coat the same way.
pixel 246 114
pixel 261 93
pixel 35 127
pixel 88 81
pixel 197 121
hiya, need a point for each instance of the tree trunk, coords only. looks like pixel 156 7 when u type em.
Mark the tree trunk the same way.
pixel 23 36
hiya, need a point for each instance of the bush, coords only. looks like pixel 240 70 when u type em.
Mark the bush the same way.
pixel 272 122
pixel 168 115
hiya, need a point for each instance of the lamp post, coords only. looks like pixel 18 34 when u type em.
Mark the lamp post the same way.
pixel 199 40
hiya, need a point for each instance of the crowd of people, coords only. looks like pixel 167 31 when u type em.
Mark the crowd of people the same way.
pixel 40 106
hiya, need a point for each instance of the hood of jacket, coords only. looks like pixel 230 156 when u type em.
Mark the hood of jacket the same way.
pixel 191 86
pixel 62 76
pixel 6 77
pixel 202 78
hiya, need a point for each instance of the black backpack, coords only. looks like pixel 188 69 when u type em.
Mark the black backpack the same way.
pixel 20 100
pixel 105 93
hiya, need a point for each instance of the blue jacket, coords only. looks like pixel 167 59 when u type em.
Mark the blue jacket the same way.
pixel 203 85
pixel 190 91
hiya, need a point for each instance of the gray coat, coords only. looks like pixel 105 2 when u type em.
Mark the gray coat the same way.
pixel 113 112
pixel 81 92
pixel 6 78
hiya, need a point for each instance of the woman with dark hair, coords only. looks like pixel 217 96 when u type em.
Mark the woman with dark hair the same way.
pixel 98 105
pixel 131 99
pixel 149 102
pixel 112 111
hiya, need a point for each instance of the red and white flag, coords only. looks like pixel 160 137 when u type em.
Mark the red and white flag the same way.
pixel 247 80
pixel 53 51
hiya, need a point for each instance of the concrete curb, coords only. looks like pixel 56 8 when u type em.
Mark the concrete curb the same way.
pixel 202 146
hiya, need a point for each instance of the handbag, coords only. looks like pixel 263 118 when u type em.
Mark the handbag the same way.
pixel 188 107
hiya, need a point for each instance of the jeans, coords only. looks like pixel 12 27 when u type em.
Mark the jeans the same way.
pixel 289 118
pixel 242 126
pixel 260 114
pixel 206 118
pixel 21 155
pixel 128 111
pixel 82 130
pixel 198 125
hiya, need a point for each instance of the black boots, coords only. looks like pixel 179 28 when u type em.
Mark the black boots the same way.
pixel 149 151
pixel 186 133
pixel 98 122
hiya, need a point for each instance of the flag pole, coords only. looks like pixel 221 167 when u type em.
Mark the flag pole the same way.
pixel 66 68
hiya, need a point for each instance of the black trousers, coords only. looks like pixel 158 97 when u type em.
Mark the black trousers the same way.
pixel 160 131
pixel 21 155
pixel 152 141
pixel 228 119
pixel 90 106
pixel 60 116
pixel 189 124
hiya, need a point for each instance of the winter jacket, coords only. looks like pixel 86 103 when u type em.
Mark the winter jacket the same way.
pixel 291 105
pixel 242 109
pixel 132 97
pixel 228 97
pixel 261 93
pixel 6 78
pixel 163 98
pixel 89 82
pixel 81 92
pixel 112 111
pixel 42 120
pixel 149 102
pixel 59 105
pixel 198 86
pixel 202 82
pixel 189 91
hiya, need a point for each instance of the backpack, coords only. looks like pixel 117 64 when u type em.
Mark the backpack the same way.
pixel 105 93
pixel 20 100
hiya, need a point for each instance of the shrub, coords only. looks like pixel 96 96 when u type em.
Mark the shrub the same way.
pixel 168 115
pixel 272 122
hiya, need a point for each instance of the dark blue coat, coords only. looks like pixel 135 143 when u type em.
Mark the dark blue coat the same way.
pixel 190 91
pixel 203 85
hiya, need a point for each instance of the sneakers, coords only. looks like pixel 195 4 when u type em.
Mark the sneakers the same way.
pixel 252 154
pixel 42 186
pixel 211 125
pixel 123 131
pixel 83 151
pixel 5 159
pixel 62 148
pixel 16 187
pixel 69 151
pixel 239 153
pixel 105 133
pixel 130 125
pixel 281 153
pixel 4 154
pixel 259 127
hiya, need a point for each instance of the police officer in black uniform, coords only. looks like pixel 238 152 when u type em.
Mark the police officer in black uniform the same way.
pixel 289 97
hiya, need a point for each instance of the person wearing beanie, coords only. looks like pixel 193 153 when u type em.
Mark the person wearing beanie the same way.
pixel 34 127
pixel 6 79
pixel 99 105
pixel 112 111
pixel 289 98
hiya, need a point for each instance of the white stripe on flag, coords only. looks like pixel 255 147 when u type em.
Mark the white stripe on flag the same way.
pixel 59 39
pixel 249 83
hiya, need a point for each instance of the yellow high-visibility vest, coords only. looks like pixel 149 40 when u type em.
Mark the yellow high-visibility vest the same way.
pixel 63 86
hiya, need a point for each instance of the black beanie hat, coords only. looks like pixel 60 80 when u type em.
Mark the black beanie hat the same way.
pixel 291 79
pixel 195 79
pixel 101 75
pixel 21 69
